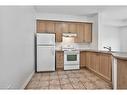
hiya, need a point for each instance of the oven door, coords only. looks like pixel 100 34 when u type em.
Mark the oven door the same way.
pixel 71 57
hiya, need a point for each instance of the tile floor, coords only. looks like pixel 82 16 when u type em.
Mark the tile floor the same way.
pixel 75 79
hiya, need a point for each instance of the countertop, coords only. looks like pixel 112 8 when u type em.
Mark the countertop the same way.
pixel 116 54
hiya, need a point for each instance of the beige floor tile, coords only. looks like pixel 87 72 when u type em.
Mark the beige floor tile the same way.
pixel 69 72
pixel 93 78
pixel 43 88
pixel 53 77
pixel 63 76
pixel 72 75
pixel 33 85
pixel 36 77
pixel 78 85
pixel 89 85
pixel 55 87
pixel 54 82
pixel 64 81
pixel 84 79
pixel 53 74
pixel 74 80
pixel 67 86
pixel 61 72
pixel 43 83
pixel 44 77
pixel 102 85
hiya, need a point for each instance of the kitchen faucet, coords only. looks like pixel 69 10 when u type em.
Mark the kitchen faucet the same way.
pixel 108 47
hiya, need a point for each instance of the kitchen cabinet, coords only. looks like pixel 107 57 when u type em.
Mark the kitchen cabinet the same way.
pixel 100 63
pixel 72 27
pixel 88 59
pixel 58 31
pixel 95 61
pixel 65 26
pixel 82 58
pixel 59 59
pixel 84 32
pixel 121 74
pixel 82 29
pixel 45 26
pixel 105 66
pixel 79 38
pixel 87 36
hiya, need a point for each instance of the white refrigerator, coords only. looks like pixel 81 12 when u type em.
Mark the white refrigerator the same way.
pixel 45 52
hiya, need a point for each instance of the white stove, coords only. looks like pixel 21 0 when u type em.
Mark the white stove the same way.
pixel 71 58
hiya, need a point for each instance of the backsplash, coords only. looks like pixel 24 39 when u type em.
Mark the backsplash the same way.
pixel 76 45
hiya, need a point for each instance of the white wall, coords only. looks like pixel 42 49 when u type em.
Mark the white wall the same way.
pixel 93 19
pixel 108 35
pixel 17 27
pixel 123 39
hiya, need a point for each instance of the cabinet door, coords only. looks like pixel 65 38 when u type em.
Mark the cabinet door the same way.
pixel 41 26
pixel 82 59
pixel 94 64
pixel 88 58
pixel 79 38
pixel 121 74
pixel 59 59
pixel 105 66
pixel 65 26
pixel 72 27
pixel 49 26
pixel 58 31
pixel 45 26
pixel 87 32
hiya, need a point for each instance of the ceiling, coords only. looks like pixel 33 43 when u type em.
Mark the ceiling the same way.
pixel 113 15
pixel 115 12
pixel 68 10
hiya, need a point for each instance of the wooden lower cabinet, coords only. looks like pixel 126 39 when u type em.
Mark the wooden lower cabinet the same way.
pixel 95 61
pixel 100 63
pixel 59 59
pixel 82 58
pixel 121 74
pixel 106 66
pixel 88 58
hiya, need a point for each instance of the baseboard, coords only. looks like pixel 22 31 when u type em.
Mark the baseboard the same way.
pixel 27 81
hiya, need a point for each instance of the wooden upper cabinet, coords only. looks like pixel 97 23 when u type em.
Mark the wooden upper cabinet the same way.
pixel 45 26
pixel 41 26
pixel 79 31
pixel 72 27
pixel 58 31
pixel 65 27
pixel 83 30
pixel 87 32
pixel 50 26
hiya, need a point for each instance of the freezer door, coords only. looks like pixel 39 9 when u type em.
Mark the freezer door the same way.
pixel 45 58
pixel 45 39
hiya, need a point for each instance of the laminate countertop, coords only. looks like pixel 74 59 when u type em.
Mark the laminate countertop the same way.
pixel 116 54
